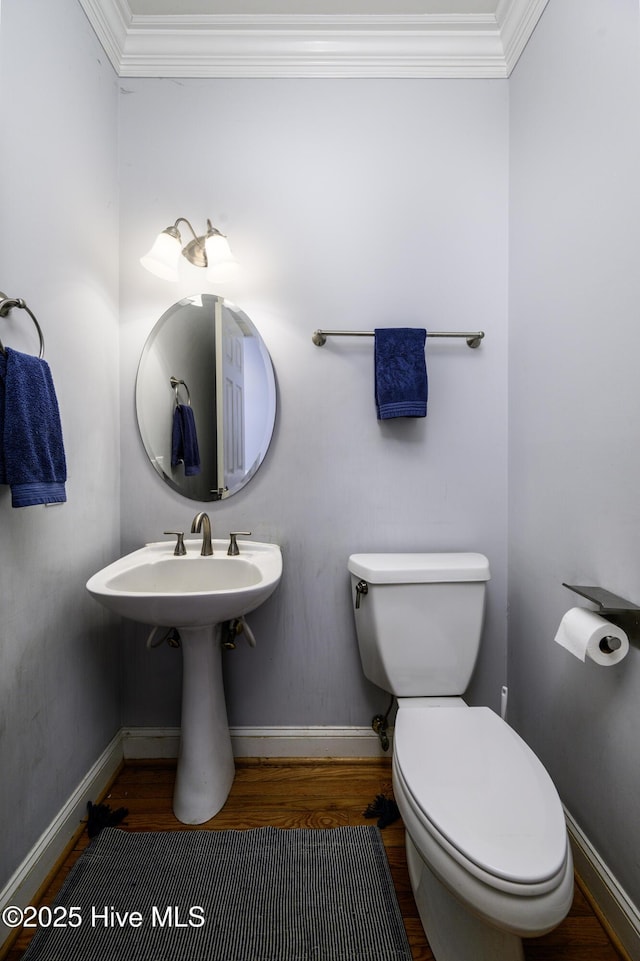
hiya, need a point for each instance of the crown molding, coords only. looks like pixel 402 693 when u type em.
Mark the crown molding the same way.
pixel 314 46
pixel 111 20
pixel 518 20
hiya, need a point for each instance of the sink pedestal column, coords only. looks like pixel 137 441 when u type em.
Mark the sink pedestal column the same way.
pixel 206 767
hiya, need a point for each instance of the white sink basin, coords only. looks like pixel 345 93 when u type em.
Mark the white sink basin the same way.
pixel 154 586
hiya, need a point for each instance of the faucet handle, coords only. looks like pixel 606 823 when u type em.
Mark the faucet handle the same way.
pixel 233 544
pixel 180 550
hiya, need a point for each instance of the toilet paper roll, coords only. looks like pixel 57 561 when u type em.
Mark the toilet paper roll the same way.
pixel 587 635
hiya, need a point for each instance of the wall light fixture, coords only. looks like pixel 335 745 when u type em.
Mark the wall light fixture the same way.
pixel 211 250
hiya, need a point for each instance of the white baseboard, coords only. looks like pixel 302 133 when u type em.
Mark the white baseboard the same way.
pixel 26 881
pixel 156 742
pixel 616 906
pixel 306 742
pixel 150 742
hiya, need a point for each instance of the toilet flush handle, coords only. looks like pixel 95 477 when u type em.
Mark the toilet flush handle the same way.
pixel 361 588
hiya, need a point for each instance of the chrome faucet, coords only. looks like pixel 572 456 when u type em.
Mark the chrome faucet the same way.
pixel 202 523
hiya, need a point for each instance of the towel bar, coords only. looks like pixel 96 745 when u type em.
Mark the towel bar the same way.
pixel 6 306
pixel 319 337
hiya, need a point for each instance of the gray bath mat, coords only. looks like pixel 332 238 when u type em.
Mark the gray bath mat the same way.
pixel 267 894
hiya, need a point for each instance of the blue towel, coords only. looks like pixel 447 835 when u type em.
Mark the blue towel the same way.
pixel 32 459
pixel 184 440
pixel 400 372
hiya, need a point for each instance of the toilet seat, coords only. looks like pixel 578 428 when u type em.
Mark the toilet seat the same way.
pixel 482 794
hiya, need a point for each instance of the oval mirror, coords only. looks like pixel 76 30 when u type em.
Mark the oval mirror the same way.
pixel 205 398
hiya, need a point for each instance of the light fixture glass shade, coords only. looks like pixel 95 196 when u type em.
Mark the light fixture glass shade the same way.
pixel 162 259
pixel 222 265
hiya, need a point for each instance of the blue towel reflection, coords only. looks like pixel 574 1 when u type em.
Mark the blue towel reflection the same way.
pixel 184 440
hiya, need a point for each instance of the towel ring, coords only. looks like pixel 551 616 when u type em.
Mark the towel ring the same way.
pixel 175 383
pixel 6 306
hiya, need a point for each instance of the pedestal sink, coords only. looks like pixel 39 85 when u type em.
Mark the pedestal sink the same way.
pixel 196 595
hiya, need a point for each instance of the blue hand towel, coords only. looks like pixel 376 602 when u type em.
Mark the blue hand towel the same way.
pixel 184 440
pixel 32 458
pixel 400 372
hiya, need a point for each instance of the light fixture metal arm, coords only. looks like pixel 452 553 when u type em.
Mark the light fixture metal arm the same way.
pixel 183 220
pixel 194 251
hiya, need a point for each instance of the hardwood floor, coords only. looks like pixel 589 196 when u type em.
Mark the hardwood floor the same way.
pixel 314 794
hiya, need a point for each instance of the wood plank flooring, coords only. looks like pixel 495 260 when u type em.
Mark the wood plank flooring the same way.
pixel 313 794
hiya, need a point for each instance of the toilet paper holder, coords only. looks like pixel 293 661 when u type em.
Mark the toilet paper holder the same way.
pixel 616 609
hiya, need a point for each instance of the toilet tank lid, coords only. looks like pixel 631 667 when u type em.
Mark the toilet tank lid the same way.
pixel 417 568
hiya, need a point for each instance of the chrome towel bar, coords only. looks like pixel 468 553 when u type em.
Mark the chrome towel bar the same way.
pixel 319 337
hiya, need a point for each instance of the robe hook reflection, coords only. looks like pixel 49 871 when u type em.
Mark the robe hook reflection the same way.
pixel 7 304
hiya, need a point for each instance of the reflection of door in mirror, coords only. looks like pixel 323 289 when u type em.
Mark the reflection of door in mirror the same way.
pixel 232 379
pixel 215 350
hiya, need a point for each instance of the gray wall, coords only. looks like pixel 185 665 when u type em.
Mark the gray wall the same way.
pixel 350 204
pixel 58 250
pixel 575 403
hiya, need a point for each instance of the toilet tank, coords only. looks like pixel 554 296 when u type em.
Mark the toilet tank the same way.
pixel 419 619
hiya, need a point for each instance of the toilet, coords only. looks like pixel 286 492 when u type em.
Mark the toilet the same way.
pixel 487 847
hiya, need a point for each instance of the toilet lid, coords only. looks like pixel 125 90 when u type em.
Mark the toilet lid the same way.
pixel 480 786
